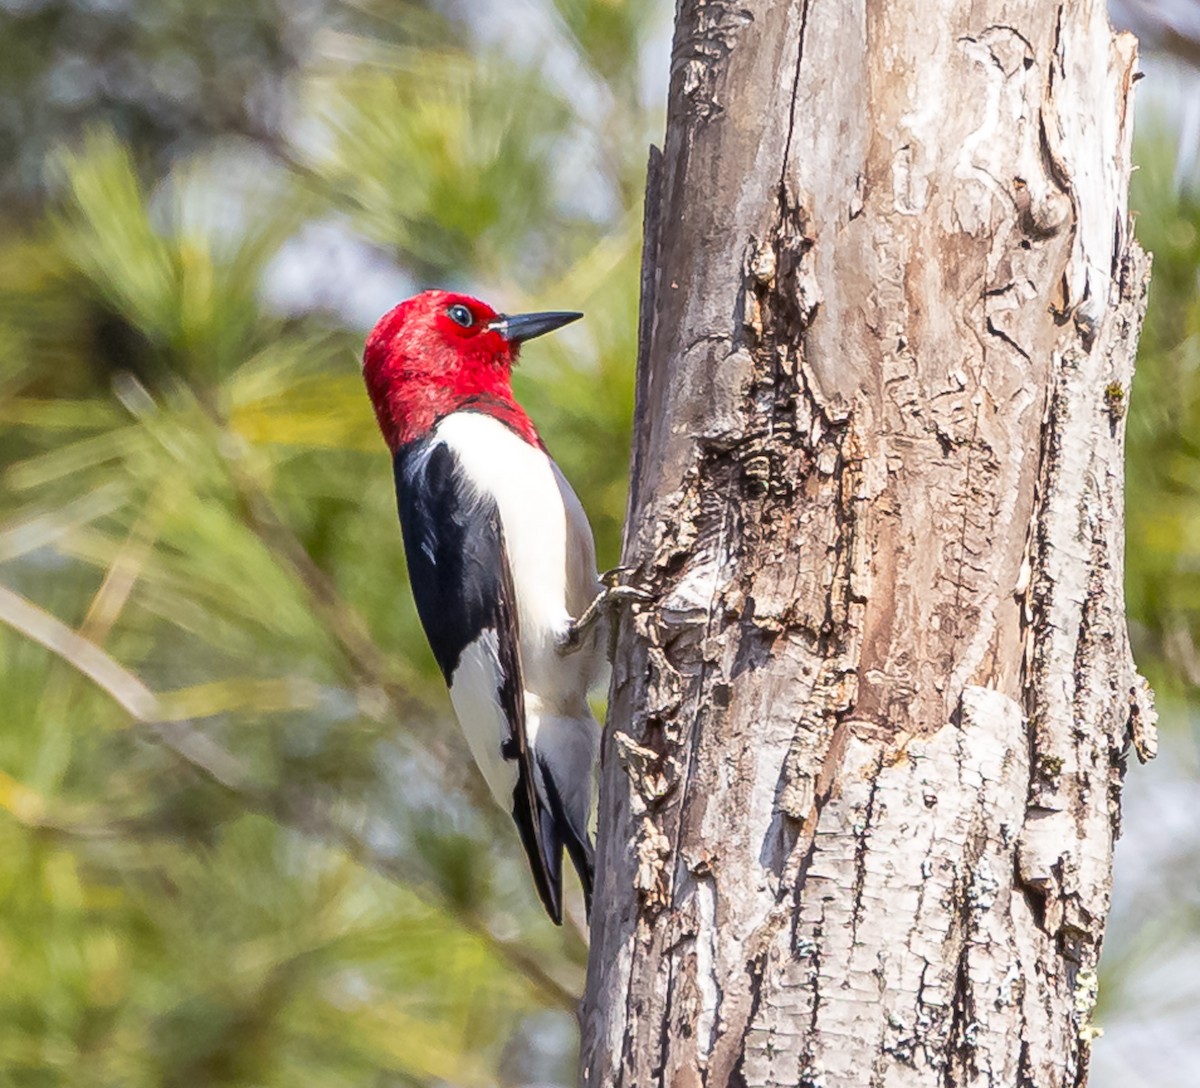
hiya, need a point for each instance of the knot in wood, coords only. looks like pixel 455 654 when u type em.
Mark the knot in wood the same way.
pixel 1043 209
pixel 762 263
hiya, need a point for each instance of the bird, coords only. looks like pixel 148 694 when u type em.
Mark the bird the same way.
pixel 501 562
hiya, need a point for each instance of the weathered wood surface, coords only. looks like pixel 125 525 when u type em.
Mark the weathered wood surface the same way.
pixel 862 770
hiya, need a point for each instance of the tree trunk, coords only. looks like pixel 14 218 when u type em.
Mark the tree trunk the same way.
pixel 862 771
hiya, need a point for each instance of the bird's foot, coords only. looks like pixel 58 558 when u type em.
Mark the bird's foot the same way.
pixel 612 578
pixel 606 602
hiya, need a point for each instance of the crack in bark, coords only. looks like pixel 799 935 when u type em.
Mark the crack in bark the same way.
pixel 860 855
pixel 755 969
pixel 787 144
pixel 961 1015
pixel 1000 334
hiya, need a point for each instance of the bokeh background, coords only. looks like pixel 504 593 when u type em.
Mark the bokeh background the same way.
pixel 240 842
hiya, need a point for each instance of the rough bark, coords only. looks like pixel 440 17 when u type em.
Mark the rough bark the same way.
pixel 863 764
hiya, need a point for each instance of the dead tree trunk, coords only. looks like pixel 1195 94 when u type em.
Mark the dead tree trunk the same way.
pixel 862 773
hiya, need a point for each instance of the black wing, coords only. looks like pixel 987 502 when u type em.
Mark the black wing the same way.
pixel 454 544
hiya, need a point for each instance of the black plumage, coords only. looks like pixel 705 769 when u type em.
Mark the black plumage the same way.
pixel 462 585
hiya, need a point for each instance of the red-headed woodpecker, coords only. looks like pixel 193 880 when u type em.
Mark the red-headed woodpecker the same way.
pixel 501 561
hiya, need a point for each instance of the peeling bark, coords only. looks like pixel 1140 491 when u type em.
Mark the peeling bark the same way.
pixel 862 771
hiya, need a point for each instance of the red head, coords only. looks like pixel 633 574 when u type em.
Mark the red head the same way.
pixel 439 351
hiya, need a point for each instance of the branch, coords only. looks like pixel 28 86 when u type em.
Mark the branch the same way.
pixel 137 700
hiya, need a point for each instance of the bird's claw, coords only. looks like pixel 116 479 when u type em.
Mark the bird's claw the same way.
pixel 608 600
pixel 612 577
pixel 615 596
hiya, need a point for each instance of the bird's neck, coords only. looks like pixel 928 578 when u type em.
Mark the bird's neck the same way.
pixel 414 407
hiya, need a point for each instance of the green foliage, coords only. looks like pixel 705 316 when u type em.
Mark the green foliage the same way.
pixel 1147 991
pixel 447 158
pixel 1163 475
pixel 241 842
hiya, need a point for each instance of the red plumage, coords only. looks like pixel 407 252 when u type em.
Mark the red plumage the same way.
pixel 420 365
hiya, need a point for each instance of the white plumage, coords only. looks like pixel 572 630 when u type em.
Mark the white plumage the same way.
pixel 552 559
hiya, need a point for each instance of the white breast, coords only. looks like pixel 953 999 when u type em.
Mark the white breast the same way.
pixel 550 551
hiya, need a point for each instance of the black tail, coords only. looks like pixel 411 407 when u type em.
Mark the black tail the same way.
pixel 558 831
pixel 542 846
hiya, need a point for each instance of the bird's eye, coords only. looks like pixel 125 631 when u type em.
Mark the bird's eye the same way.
pixel 460 315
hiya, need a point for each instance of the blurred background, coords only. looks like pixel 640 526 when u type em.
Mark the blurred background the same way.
pixel 239 843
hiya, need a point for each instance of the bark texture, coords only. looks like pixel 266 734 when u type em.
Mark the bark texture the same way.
pixel 862 773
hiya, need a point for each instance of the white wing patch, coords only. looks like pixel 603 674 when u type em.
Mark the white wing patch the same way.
pixel 475 696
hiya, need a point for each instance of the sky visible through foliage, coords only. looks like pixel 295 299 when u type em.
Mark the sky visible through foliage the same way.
pixel 240 839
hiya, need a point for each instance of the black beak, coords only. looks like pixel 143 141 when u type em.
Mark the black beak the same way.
pixel 517 328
